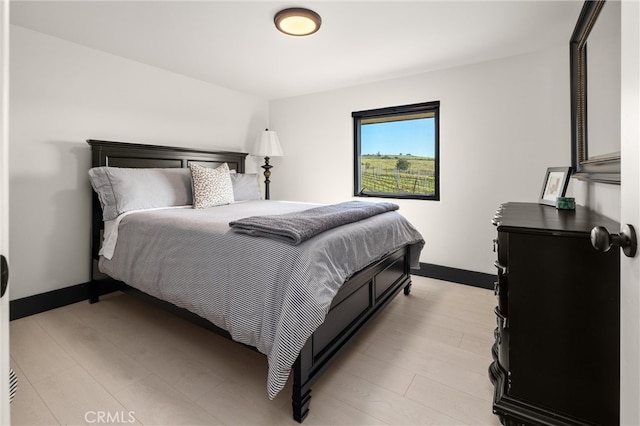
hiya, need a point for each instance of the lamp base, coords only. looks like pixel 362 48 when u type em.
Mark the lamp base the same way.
pixel 267 173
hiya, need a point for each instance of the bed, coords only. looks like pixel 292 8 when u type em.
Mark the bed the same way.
pixel 301 313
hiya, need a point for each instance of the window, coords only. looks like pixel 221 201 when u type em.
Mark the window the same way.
pixel 396 152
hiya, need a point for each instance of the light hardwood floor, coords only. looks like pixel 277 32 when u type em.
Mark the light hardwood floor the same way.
pixel 424 360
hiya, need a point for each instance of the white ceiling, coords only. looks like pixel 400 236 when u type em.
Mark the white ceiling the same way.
pixel 234 44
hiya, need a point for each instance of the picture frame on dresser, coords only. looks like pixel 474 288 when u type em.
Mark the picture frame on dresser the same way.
pixel 556 181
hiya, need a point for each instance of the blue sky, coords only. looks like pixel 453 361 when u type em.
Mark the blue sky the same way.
pixel 415 137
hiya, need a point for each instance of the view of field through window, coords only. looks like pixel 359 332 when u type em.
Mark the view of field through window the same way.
pixel 398 154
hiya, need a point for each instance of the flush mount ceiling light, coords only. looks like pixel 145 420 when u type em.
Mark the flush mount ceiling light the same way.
pixel 297 21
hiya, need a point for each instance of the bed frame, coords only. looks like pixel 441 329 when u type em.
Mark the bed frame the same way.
pixel 357 302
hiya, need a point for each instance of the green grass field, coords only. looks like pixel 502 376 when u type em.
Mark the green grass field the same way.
pixel 380 174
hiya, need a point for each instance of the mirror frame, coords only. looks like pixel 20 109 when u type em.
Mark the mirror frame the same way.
pixel 602 168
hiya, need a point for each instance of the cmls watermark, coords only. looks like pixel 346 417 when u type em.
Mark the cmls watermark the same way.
pixel 110 417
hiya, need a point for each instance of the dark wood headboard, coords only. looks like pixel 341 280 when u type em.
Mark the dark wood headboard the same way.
pixel 122 154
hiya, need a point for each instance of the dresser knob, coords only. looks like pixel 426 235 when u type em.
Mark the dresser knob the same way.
pixel 602 240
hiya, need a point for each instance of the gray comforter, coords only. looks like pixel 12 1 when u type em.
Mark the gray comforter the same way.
pixel 266 293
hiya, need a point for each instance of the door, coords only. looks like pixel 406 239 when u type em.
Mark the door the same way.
pixel 630 213
pixel 5 414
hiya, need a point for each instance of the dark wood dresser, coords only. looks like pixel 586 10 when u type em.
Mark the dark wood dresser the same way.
pixel 557 349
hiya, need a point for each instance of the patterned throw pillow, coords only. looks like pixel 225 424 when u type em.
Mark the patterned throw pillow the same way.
pixel 211 187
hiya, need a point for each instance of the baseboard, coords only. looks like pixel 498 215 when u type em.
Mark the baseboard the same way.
pixel 35 304
pixel 460 276
pixel 42 302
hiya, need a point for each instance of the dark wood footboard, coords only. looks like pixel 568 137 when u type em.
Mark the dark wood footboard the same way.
pixel 359 300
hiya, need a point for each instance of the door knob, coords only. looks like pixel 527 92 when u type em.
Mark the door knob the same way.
pixel 602 240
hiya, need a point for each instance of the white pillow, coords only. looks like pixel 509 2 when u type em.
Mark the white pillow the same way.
pixel 245 186
pixel 211 187
pixel 122 189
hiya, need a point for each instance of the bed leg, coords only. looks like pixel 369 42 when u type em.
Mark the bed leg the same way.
pixel 300 403
pixel 407 289
pixel 301 390
pixel 94 292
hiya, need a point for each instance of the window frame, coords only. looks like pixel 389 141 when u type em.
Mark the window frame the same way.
pixel 358 116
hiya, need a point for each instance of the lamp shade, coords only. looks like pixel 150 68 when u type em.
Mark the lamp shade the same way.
pixel 267 145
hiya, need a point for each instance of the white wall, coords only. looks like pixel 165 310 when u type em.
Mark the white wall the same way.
pixel 600 197
pixel 502 123
pixel 62 94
